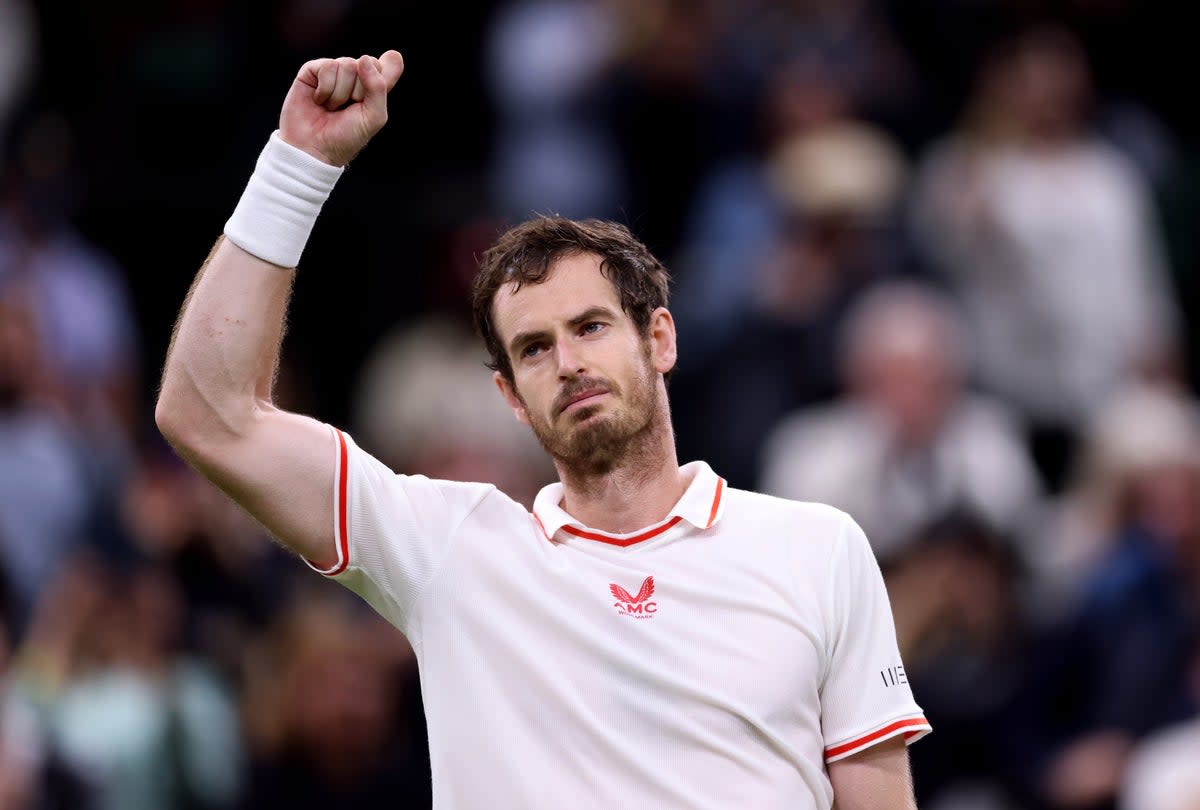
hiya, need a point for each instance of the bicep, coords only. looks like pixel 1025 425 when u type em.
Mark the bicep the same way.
pixel 875 779
pixel 281 470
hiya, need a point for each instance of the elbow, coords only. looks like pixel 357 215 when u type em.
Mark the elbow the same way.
pixel 169 417
pixel 196 427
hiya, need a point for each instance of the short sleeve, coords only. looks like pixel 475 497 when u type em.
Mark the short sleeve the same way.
pixel 865 695
pixel 392 532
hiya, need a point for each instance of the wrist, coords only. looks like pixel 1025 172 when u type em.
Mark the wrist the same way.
pixel 279 207
pixel 309 150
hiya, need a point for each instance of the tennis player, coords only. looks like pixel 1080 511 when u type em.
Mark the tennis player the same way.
pixel 647 636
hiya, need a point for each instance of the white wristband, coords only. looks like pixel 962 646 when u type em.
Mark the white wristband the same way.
pixel 280 204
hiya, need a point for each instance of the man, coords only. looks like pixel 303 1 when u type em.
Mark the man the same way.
pixel 647 634
pixel 909 443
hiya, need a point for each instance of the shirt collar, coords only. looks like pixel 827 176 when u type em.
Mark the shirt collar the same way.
pixel 702 505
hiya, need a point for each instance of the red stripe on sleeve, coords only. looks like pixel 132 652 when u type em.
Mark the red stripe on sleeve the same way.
pixel 343 542
pixel 341 539
pixel 886 731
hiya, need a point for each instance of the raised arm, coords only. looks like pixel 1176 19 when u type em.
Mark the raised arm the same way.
pixel 215 404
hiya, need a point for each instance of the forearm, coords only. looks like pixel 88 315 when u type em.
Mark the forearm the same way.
pixel 225 348
pixel 215 402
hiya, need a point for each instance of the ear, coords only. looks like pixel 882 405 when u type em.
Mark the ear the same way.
pixel 510 396
pixel 662 340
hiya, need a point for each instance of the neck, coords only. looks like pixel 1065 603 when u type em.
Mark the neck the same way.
pixel 637 491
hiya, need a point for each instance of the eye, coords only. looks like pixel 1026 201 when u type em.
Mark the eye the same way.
pixel 592 327
pixel 531 350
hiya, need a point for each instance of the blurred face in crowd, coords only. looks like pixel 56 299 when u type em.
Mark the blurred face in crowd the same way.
pixel 799 98
pixel 1044 83
pixel 905 373
pixel 1166 499
pixel 585 379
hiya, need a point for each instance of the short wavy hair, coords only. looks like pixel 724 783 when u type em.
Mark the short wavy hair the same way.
pixel 525 254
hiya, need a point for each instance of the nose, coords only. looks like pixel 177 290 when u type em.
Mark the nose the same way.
pixel 569 362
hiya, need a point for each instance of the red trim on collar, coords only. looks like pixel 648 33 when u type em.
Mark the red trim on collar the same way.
pixel 712 515
pixel 621 541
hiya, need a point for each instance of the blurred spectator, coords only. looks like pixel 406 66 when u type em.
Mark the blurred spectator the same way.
pixel 554 148
pixel 1123 664
pixel 783 247
pixel 142 725
pixel 1139 429
pixel 1050 235
pixel 17 40
pixel 230 576
pixel 427 405
pixel 46 494
pixel 909 443
pixel 20 743
pixel 673 110
pixel 1162 773
pixel 847 39
pixel 328 723
pixel 965 642
pixel 86 327
pixel 746 204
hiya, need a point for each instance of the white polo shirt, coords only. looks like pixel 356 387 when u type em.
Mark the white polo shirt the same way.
pixel 717 659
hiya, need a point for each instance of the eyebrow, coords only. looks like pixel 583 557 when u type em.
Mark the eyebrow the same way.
pixel 590 314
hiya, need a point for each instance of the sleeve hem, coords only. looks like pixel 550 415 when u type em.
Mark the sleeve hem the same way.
pixel 341 540
pixel 913 728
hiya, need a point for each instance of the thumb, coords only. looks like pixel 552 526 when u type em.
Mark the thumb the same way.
pixel 391 65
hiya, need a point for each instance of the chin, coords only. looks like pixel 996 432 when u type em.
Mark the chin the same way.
pixel 585 414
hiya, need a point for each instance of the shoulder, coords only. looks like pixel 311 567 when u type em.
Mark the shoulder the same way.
pixel 1163 767
pixel 373 485
pixel 980 420
pixel 804 521
pixel 1113 165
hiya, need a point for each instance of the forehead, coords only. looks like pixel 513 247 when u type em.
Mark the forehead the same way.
pixel 574 284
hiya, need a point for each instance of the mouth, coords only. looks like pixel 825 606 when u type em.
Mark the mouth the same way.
pixel 582 399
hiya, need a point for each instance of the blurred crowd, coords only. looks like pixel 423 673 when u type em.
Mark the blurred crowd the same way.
pixel 936 262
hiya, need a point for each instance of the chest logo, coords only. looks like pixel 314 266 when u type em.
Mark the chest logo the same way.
pixel 638 607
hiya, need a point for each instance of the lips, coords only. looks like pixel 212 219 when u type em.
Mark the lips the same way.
pixel 580 396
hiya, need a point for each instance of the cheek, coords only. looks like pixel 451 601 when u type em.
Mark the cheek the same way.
pixel 532 397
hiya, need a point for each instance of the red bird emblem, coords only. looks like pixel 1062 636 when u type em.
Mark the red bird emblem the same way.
pixel 623 595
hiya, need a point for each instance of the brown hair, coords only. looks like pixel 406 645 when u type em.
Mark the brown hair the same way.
pixel 524 255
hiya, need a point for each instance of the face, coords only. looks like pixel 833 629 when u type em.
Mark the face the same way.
pixel 910 378
pixel 584 378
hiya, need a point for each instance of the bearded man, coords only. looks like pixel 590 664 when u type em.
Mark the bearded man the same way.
pixel 646 634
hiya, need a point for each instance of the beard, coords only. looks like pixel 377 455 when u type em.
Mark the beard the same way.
pixel 587 442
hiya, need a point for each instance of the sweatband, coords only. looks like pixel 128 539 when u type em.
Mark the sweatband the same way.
pixel 279 207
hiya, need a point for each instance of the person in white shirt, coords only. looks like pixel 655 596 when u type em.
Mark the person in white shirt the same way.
pixel 909 442
pixel 1048 234
pixel 646 633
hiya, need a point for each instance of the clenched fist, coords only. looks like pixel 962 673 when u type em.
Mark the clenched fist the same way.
pixel 336 105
